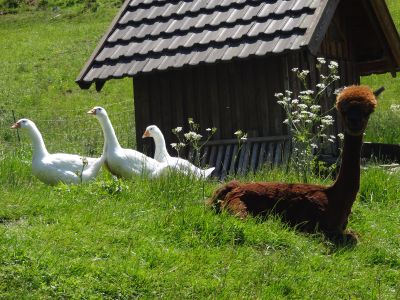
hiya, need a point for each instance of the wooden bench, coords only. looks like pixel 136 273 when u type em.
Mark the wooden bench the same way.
pixel 230 158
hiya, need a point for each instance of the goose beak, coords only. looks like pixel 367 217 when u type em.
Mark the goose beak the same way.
pixel 146 134
pixel 92 112
pixel 16 125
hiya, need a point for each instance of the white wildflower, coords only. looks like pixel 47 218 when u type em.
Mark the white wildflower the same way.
pixel 178 129
pixel 321 60
pixel 208 129
pixel 322 76
pixel 330 140
pixel 238 133
pixel 340 136
pixel 312 115
pixel 304 73
pixel 302 106
pixel 192 136
pixel 286 121
pixel 308 121
pixel 314 146
pixel 278 95
pixel 288 92
pixel 174 145
pixel 296 121
pixel 333 65
pixel 332 137
pixel 315 107
pixel 295 70
pixel 295 101
pixel 307 92
pixel 321 86
pixel 336 77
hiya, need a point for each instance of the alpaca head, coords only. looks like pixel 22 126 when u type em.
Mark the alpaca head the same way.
pixel 355 104
pixel 22 123
pixel 98 112
pixel 152 131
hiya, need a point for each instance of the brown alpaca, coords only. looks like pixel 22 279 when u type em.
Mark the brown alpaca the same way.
pixel 311 207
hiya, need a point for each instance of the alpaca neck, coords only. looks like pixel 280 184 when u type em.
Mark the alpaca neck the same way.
pixel 38 146
pixel 160 152
pixel 348 181
pixel 110 139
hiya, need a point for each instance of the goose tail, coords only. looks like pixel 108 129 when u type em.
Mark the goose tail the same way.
pixel 207 172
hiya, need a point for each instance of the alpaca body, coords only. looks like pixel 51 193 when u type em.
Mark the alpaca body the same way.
pixel 59 167
pixel 305 206
pixel 122 162
pixel 161 155
pixel 309 206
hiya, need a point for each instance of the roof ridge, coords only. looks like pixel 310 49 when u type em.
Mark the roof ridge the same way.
pixel 200 10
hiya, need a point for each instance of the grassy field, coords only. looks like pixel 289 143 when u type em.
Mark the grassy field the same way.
pixel 155 239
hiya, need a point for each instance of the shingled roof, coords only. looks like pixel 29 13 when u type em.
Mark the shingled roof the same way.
pixel 155 35
pixel 150 35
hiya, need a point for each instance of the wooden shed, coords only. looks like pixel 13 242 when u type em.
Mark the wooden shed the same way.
pixel 221 62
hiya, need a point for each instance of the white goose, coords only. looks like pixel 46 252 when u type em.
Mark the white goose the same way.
pixel 59 167
pixel 161 154
pixel 123 162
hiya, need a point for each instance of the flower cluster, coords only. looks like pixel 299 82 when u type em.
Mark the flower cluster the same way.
pixel 395 107
pixel 307 124
pixel 191 138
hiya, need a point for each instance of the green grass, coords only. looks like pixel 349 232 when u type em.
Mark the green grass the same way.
pixel 156 239
pixel 384 125
pixel 125 239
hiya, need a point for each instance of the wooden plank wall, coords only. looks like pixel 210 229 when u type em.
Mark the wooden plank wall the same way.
pixel 228 96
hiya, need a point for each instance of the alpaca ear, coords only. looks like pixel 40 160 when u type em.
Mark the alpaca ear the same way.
pixel 379 91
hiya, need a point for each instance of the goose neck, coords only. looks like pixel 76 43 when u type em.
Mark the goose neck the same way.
pixel 160 146
pixel 109 133
pixel 38 146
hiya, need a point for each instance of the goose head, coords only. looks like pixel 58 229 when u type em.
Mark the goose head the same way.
pixel 22 123
pixel 98 112
pixel 152 131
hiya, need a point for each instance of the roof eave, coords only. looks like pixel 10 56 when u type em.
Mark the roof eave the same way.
pixel 322 20
pixel 388 28
pixel 80 79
